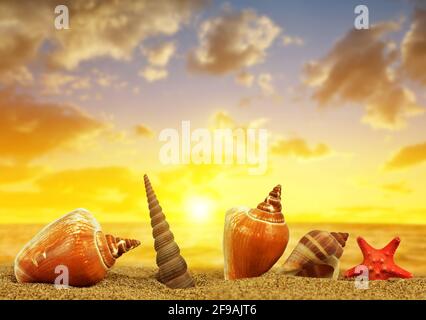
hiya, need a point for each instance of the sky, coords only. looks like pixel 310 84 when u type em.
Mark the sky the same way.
pixel 82 109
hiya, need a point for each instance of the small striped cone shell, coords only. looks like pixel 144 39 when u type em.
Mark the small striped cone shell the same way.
pixel 254 239
pixel 317 255
pixel 172 268
pixel 75 241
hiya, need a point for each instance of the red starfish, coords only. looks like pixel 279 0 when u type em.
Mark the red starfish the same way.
pixel 380 263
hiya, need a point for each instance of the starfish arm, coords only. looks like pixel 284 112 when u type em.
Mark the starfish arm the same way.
pixel 398 272
pixel 364 246
pixel 392 246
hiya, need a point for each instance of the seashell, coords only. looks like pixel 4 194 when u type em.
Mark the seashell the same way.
pixel 75 241
pixel 317 255
pixel 254 239
pixel 172 268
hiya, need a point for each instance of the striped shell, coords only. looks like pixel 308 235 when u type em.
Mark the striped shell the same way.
pixel 172 268
pixel 75 241
pixel 317 255
pixel 254 239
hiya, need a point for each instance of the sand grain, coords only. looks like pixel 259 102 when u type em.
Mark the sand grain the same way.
pixel 139 283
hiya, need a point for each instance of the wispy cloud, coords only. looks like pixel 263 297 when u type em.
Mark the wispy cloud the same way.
pixel 158 58
pixel 161 54
pixel 17 173
pixel 298 147
pixel 359 69
pixel 398 187
pixel 232 42
pixel 29 128
pixel 144 131
pixel 152 74
pixel 114 31
pixel 407 157
pixel 288 40
pixel 414 48
pixel 245 78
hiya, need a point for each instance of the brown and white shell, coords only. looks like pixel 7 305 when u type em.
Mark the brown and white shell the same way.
pixel 76 242
pixel 172 267
pixel 317 255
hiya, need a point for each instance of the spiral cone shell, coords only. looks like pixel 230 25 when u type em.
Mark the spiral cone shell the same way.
pixel 75 241
pixel 254 239
pixel 317 255
pixel 172 268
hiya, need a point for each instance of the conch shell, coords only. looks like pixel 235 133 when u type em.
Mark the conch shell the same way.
pixel 254 239
pixel 317 255
pixel 76 242
pixel 172 268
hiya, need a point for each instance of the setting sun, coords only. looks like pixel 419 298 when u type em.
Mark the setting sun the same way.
pixel 200 208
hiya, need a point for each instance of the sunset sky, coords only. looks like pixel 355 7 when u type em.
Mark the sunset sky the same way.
pixel 81 109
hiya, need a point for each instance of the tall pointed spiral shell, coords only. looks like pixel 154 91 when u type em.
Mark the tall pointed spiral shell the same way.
pixel 254 239
pixel 172 268
pixel 317 255
pixel 76 242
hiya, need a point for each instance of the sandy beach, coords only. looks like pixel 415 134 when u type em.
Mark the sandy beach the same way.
pixel 139 283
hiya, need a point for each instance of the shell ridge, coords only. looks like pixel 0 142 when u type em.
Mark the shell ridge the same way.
pixel 264 221
pixel 75 240
pixel 254 239
pixel 172 266
pixel 316 248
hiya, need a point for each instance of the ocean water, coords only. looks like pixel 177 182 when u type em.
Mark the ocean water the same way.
pixel 201 244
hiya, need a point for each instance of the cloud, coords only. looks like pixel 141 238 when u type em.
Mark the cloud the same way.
pixel 104 80
pixel 116 28
pixel 20 41
pixel 245 102
pixel 222 120
pixel 55 83
pixel 299 148
pixel 264 81
pixel 29 129
pixel 414 48
pixel 112 192
pixel 161 54
pixel 144 131
pixel 232 42
pixel 399 187
pixel 244 78
pixel 17 173
pixel 407 157
pixel 115 190
pixel 98 29
pixel 158 58
pixel 18 75
pixel 358 69
pixel 152 74
pixel 292 40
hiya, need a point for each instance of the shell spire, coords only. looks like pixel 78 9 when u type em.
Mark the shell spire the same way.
pixel 270 209
pixel 172 266
pixel 272 202
pixel 118 246
pixel 341 237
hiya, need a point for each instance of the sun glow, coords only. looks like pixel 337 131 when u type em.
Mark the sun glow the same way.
pixel 200 208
